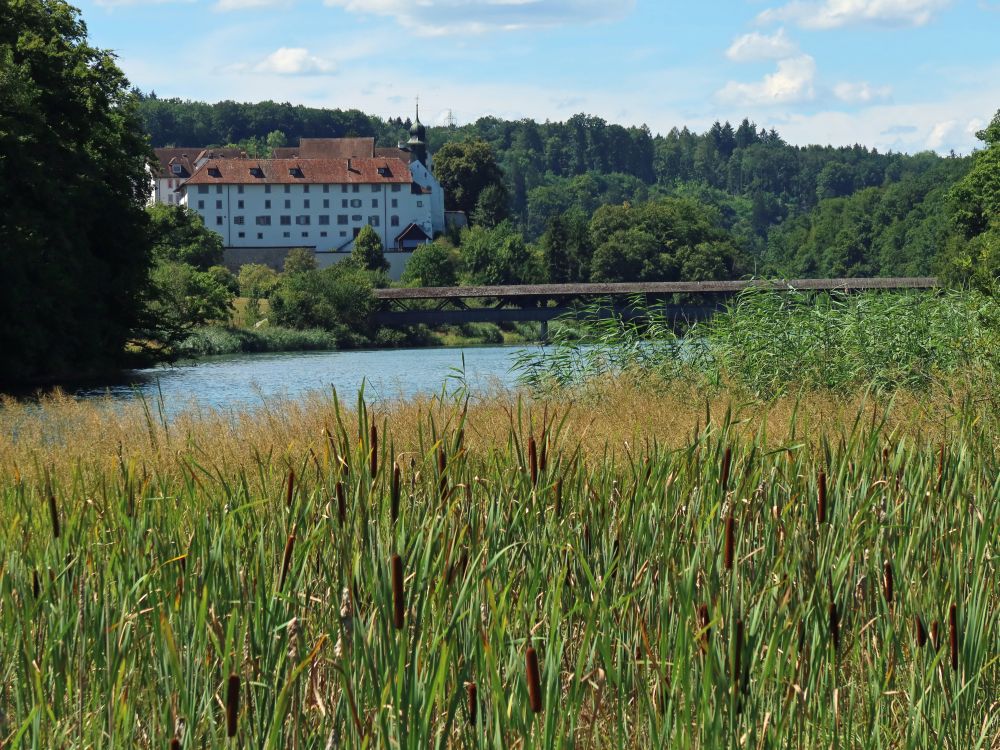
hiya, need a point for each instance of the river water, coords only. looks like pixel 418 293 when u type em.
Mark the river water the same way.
pixel 246 380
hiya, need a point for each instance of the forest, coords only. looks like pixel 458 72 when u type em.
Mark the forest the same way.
pixel 769 208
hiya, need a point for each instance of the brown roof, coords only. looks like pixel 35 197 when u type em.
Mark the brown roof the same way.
pixel 393 153
pixel 339 148
pixel 330 171
pixel 187 158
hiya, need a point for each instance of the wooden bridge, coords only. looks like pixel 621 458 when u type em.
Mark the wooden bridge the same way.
pixel 449 305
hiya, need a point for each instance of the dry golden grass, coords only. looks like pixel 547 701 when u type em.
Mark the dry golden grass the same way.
pixel 57 434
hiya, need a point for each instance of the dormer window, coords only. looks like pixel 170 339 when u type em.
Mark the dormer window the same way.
pixel 256 172
pixel 176 168
pixel 383 171
pixel 214 172
pixel 295 171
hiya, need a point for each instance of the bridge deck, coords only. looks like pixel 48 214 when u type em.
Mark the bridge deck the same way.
pixel 654 288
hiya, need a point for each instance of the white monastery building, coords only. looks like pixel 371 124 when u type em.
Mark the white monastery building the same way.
pixel 176 165
pixel 318 196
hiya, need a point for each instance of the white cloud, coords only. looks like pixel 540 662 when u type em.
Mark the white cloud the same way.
pixel 861 92
pixel 290 61
pixel 436 17
pixel 831 14
pixel 756 46
pixel 791 83
pixel 227 5
pixel 939 133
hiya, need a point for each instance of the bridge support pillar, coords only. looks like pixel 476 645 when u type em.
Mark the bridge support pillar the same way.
pixel 543 335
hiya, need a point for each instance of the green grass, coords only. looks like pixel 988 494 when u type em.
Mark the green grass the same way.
pixel 124 628
pixel 213 340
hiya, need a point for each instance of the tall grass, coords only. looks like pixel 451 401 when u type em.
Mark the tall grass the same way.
pixel 768 342
pixel 220 594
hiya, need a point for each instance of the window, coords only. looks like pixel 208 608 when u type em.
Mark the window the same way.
pixel 288 188
pixel 237 220
pixel 343 188
pixel 394 221
pixel 285 221
pixel 305 234
pixel 267 188
pixel 267 203
pixel 288 204
pixel 356 188
pixel 175 168
pixel 396 187
pixel 420 204
pixel 218 205
pixel 239 189
pixel 286 234
pixel 326 188
pixel 241 235
pixel 239 204
pixel 201 204
pixel 202 189
pixel 356 203
pixel 324 219
pixel 373 221
pixel 343 203
pixel 260 235
pixel 263 221
pixel 322 234
pixel 356 218
pixel 383 171
pixel 376 188
pixel 343 234
pixel 302 219
pixel 342 219
pixel 305 188
pixel 374 202
pixel 326 203
pixel 305 203
pixel 218 221
pixel 218 189
pixel 395 202
pixel 170 183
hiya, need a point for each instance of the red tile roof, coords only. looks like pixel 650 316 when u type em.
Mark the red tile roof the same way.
pixel 187 158
pixel 312 171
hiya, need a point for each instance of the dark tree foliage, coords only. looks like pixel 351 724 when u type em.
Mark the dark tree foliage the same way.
pixel 179 235
pixel 368 252
pixel 467 170
pixel 73 243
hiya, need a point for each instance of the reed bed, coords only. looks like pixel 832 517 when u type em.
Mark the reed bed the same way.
pixel 503 574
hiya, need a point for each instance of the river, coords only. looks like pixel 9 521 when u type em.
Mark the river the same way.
pixel 246 380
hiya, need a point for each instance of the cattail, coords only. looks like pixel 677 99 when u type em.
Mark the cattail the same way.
pixel 543 458
pixel 730 542
pixel 935 635
pixel 821 505
pixel 341 504
pixel 373 448
pixel 557 491
pixel 921 632
pixel 232 704
pixel 473 700
pixel 737 657
pixel 289 488
pixel 398 603
pixel 834 626
pixel 286 561
pixel 394 498
pixel 175 744
pixel 727 458
pixel 940 471
pixel 887 581
pixel 703 626
pixel 953 635
pixel 533 460
pixel 36 589
pixel 534 680
pixel 54 514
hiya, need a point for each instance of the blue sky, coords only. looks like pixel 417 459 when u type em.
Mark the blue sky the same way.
pixel 907 75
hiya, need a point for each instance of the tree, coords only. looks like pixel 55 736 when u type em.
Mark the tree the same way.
pixel 368 253
pixel 73 242
pixel 465 169
pixel 335 297
pixel 433 264
pixel 300 259
pixel 257 281
pixel 497 256
pixel 492 206
pixel 184 297
pixel 179 235
pixel 275 139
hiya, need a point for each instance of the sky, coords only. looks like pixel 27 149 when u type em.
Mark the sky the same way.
pixel 905 75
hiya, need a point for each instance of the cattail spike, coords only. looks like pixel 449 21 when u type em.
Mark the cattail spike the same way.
pixel 834 626
pixel 557 491
pixel 398 602
pixel 953 635
pixel 175 744
pixel 394 498
pixel 473 702
pixel 286 561
pixel 730 542
pixel 703 626
pixel 341 504
pixel 935 635
pixel 534 680
pixel 232 704
pixel 543 458
pixel 54 515
pixel 36 589
pixel 821 503
pixel 727 458
pixel 921 632
pixel 887 580
pixel 533 460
